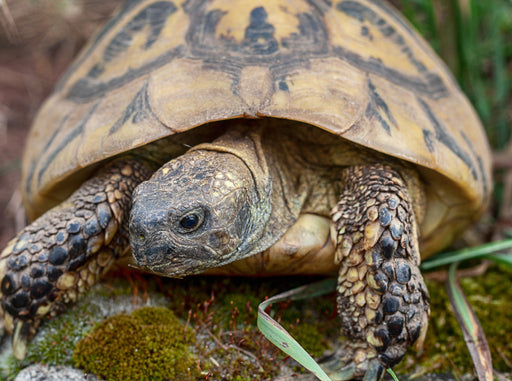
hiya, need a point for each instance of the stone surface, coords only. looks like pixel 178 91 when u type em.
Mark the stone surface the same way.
pixel 40 372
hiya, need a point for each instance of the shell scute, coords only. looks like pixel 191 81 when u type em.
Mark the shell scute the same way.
pixel 353 68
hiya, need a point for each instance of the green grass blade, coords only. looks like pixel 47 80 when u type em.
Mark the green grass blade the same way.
pixel 464 254
pixel 393 375
pixel 471 328
pixel 280 337
pixel 503 259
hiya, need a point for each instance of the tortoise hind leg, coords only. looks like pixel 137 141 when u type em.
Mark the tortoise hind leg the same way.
pixel 382 300
pixel 64 252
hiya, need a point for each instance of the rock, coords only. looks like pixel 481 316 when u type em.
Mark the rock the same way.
pixel 41 372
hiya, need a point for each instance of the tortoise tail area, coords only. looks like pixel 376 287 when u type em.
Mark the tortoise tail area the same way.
pixel 63 253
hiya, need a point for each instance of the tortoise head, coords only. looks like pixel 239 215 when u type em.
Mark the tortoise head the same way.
pixel 199 211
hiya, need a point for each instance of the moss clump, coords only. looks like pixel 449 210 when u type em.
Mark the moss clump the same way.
pixel 149 344
pixel 56 339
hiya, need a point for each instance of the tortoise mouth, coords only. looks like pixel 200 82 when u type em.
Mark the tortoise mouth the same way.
pixel 172 270
pixel 176 269
pixel 171 260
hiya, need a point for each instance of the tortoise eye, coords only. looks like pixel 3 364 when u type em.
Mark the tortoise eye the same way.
pixel 191 221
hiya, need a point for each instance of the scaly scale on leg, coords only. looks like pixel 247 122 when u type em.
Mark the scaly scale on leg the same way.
pixel 63 253
pixel 382 300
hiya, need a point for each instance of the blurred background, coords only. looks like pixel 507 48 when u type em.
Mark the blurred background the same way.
pixel 38 41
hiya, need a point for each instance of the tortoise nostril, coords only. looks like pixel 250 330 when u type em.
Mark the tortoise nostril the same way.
pixel 141 238
pixel 137 232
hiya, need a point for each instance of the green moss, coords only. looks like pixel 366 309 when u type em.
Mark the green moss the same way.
pixel 149 344
pixel 236 314
pixel 236 310
pixel 490 296
pixel 310 337
pixel 57 339
pixel 9 367
pixel 56 347
pixel 224 318
pixel 235 362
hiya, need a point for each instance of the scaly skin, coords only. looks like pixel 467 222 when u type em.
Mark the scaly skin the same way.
pixel 382 299
pixel 62 254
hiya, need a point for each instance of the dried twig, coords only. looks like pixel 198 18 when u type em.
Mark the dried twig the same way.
pixel 442 276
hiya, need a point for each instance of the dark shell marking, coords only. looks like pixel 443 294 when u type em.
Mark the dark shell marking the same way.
pixel 261 47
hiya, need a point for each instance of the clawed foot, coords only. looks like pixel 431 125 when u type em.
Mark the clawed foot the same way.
pixel 353 362
pixel 62 254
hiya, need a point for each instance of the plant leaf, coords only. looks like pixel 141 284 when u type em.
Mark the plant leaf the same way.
pixel 280 337
pixel 392 373
pixel 503 259
pixel 464 254
pixel 471 329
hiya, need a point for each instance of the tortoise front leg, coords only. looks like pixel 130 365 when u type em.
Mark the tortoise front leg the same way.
pixel 382 299
pixel 64 252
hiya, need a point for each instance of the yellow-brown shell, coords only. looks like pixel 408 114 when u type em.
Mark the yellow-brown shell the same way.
pixel 353 68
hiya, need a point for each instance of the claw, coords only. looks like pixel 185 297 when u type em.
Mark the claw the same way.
pixel 345 373
pixel 340 366
pixel 349 362
pixel 375 371
pixel 20 339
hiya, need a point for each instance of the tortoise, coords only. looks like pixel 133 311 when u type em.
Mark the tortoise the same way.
pixel 252 138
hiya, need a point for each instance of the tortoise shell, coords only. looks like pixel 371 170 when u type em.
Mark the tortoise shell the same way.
pixel 353 68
